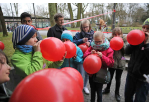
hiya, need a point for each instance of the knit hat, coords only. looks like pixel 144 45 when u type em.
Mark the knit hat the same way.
pixel 146 22
pixel 22 34
pixel 66 31
pixel 67 36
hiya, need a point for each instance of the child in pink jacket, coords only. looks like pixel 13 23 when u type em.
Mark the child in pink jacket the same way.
pixel 100 45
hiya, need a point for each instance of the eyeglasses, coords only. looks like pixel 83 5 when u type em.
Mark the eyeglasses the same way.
pixel 85 27
pixel 97 42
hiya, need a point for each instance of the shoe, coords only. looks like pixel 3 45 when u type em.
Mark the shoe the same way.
pixel 85 89
pixel 106 91
pixel 118 97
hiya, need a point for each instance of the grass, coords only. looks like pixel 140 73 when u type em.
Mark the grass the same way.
pixel 8 49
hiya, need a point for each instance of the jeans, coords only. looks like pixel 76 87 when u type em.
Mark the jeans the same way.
pixel 137 87
pixel 117 78
pixel 95 87
pixel 83 73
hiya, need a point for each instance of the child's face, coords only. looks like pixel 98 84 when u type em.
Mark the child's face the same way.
pixel 64 40
pixel 32 40
pixel 4 70
pixel 85 27
pixel 27 21
pixel 145 28
pixel 98 40
pixel 117 34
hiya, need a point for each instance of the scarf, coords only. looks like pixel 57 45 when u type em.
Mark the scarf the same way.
pixel 105 45
pixel 88 35
pixel 25 48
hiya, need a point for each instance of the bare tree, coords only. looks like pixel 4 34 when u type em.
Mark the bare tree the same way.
pixel 52 12
pixel 2 20
pixel 6 10
pixel 16 8
pixel 71 14
pixel 79 5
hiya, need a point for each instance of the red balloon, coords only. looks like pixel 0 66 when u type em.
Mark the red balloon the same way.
pixel 52 49
pixel 83 47
pixel 48 85
pixel 70 48
pixel 2 45
pixel 75 74
pixel 116 43
pixel 92 64
pixel 135 37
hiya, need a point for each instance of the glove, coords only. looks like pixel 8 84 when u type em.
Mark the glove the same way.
pixel 147 77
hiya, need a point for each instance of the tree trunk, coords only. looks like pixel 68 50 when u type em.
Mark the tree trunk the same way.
pixel 56 7
pixel 71 14
pixel 52 12
pixel 113 26
pixel 3 23
pixel 79 14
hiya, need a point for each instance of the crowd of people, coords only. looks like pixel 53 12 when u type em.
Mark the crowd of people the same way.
pixel 28 59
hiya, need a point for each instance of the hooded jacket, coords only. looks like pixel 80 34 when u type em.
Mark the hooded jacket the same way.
pixel 28 63
pixel 139 60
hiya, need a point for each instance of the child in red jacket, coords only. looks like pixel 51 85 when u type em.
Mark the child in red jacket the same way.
pixel 100 45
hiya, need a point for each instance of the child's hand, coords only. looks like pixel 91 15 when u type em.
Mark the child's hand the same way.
pixel 87 43
pixel 64 56
pixel 36 46
pixel 85 39
pixel 99 54
pixel 146 37
pixel 93 52
pixel 75 56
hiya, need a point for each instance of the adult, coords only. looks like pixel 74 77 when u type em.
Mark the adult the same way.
pixel 57 30
pixel 102 24
pixel 27 20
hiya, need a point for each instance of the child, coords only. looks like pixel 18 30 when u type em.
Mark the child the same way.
pixel 4 77
pixel 27 57
pixel 26 19
pixel 137 67
pixel 100 46
pixel 78 58
pixel 85 36
pixel 119 65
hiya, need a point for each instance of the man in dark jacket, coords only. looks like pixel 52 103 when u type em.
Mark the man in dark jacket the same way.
pixel 137 67
pixel 57 30
pixel 27 20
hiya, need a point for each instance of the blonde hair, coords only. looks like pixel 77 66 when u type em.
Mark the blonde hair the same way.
pixel 98 34
pixel 117 30
pixel 83 22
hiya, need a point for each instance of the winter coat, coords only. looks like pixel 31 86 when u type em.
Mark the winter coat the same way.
pixel 119 62
pixel 56 31
pixel 107 57
pixel 28 63
pixel 78 38
pixel 73 62
pixel 139 60
pixel 5 93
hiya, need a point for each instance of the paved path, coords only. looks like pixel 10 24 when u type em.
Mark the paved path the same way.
pixel 111 96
